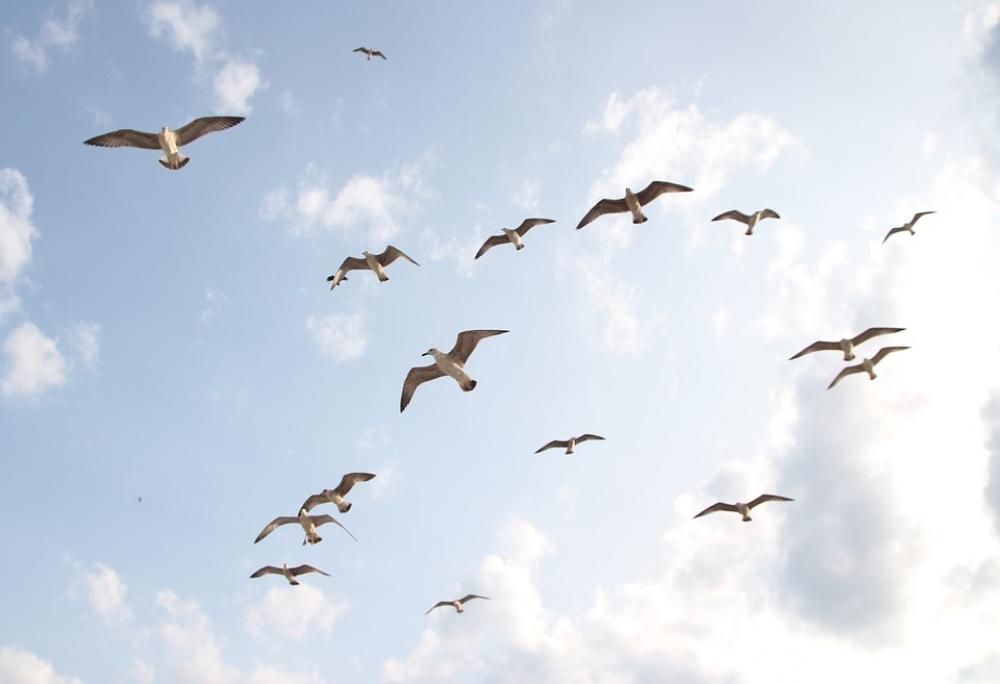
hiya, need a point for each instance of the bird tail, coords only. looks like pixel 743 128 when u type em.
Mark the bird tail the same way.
pixel 382 277
pixel 641 219
pixel 344 507
pixel 180 164
pixel 470 386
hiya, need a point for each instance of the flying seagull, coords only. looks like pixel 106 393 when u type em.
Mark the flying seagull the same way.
pixel 512 235
pixel 452 364
pixel 751 220
pixel 308 522
pixel 167 140
pixel 336 496
pixel 288 573
pixel 908 226
pixel 369 52
pixel 866 365
pixel 632 202
pixel 568 444
pixel 846 345
pixel 742 508
pixel 372 262
pixel 457 604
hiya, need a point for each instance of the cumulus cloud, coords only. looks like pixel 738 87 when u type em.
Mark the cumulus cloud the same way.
pixel 342 337
pixel 56 32
pixel 16 233
pixel 87 340
pixel 292 615
pixel 991 415
pixel 526 196
pixel 33 365
pixel 21 667
pixel 235 84
pixel 192 650
pixel 105 591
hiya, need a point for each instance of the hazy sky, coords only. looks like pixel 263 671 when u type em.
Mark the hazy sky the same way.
pixel 170 336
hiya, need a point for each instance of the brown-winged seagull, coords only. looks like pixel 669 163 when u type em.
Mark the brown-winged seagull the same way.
pixel 457 603
pixel 288 573
pixel 372 262
pixel 568 444
pixel 866 365
pixel 369 53
pixel 512 235
pixel 908 226
pixel 742 508
pixel 308 522
pixel 451 364
pixel 846 345
pixel 751 220
pixel 632 202
pixel 336 496
pixel 167 140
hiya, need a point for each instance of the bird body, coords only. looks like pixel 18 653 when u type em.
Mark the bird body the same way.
pixel 369 53
pixel 866 365
pixel 372 262
pixel 846 345
pixel 452 368
pixel 307 522
pixel 336 495
pixel 751 220
pixel 634 206
pixel 172 158
pixel 288 573
pixel 908 226
pixel 568 444
pixel 451 364
pixel 631 202
pixel 514 238
pixel 742 508
pixel 168 141
pixel 512 235
pixel 458 603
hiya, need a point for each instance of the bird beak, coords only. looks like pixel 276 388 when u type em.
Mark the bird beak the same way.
pixel 426 354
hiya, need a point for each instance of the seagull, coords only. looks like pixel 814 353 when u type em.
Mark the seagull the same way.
pixel 289 573
pixel 369 52
pixel 167 140
pixel 846 345
pixel 308 522
pixel 742 508
pixel 452 364
pixel 750 219
pixel 458 603
pixel 632 202
pixel 866 365
pixel 512 235
pixel 908 226
pixel 569 444
pixel 336 496
pixel 373 262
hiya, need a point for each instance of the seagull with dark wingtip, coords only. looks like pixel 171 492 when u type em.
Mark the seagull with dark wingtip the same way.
pixel 742 508
pixel 369 53
pixel 458 603
pixel 908 226
pixel 512 235
pixel 632 202
pixel 569 444
pixel 371 262
pixel 451 364
pixel 751 220
pixel 866 365
pixel 846 345
pixel 167 140
pixel 336 495
pixel 288 573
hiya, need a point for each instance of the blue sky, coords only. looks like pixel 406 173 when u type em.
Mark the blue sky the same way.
pixel 170 336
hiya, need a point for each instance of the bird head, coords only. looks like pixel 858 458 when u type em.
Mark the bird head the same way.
pixel 431 352
pixel 163 129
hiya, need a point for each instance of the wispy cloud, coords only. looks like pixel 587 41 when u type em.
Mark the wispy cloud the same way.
pixel 60 32
pixel 16 233
pixel 342 337
pixel 18 666
pixel 104 590
pixel 33 365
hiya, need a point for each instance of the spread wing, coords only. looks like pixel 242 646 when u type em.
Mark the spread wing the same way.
pixel 188 133
pixel 315 500
pixel 267 570
pixel 874 332
pixel 769 213
pixel 391 254
pixel 360 49
pixel 414 378
pixel 657 188
pixel 605 206
pixel 325 518
pixel 126 137
pixel 817 346
pixel 884 352
pixel 850 370
pixel 469 597
pixel 717 507
pixel 438 605
pixel 916 217
pixel 275 524
pixel 554 444
pixel 378 53
pixel 734 215
pixel 348 481
pixel 528 224
pixel 767 497
pixel 467 341
pixel 491 242
pixel 588 436
pixel 303 569
pixel 898 229
pixel 351 264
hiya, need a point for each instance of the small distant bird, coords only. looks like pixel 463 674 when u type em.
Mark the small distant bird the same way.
pixel 288 573
pixel 140 499
pixel 632 202
pixel 743 508
pixel 846 345
pixel 336 496
pixel 451 364
pixel 751 220
pixel 866 365
pixel 568 444
pixel 908 226
pixel 168 141
pixel 512 235
pixel 369 52
pixel 457 604
pixel 372 262
pixel 308 522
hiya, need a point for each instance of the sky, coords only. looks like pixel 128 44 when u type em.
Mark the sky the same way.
pixel 175 372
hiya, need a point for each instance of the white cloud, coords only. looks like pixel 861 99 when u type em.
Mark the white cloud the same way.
pixel 385 480
pixel 526 196
pixel 292 613
pixel 720 321
pixel 143 672
pixel 61 33
pixel 342 337
pixel 21 667
pixel 105 591
pixel 16 230
pixel 34 363
pixel 185 25
pixel 235 84
pixel 214 302
pixel 87 340
pixel 190 645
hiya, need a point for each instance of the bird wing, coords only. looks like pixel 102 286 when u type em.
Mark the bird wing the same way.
pixel 587 436
pixel 884 352
pixel 767 497
pixel 555 443
pixel 267 570
pixel 314 501
pixel 734 215
pixel 275 524
pixel 126 137
pixel 491 242
pixel 391 254
pixel 351 264
pixel 348 481
pixel 378 53
pixel 605 206
pixel 303 569
pixel 467 341
pixel 849 370
pixel 657 188
pixel 817 346
pixel 717 507
pixel 318 520
pixel 528 224
pixel 916 217
pixel 190 132
pixel 769 213
pixel 469 597
pixel 360 49
pixel 874 332
pixel 416 376
pixel 438 605
pixel 893 231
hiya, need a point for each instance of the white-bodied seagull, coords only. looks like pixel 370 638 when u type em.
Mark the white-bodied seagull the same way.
pixel 336 495
pixel 372 262
pixel 288 573
pixel 167 140
pixel 751 220
pixel 512 235
pixel 866 365
pixel 742 508
pixel 846 345
pixel 308 522
pixel 451 364
pixel 568 444
pixel 632 202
